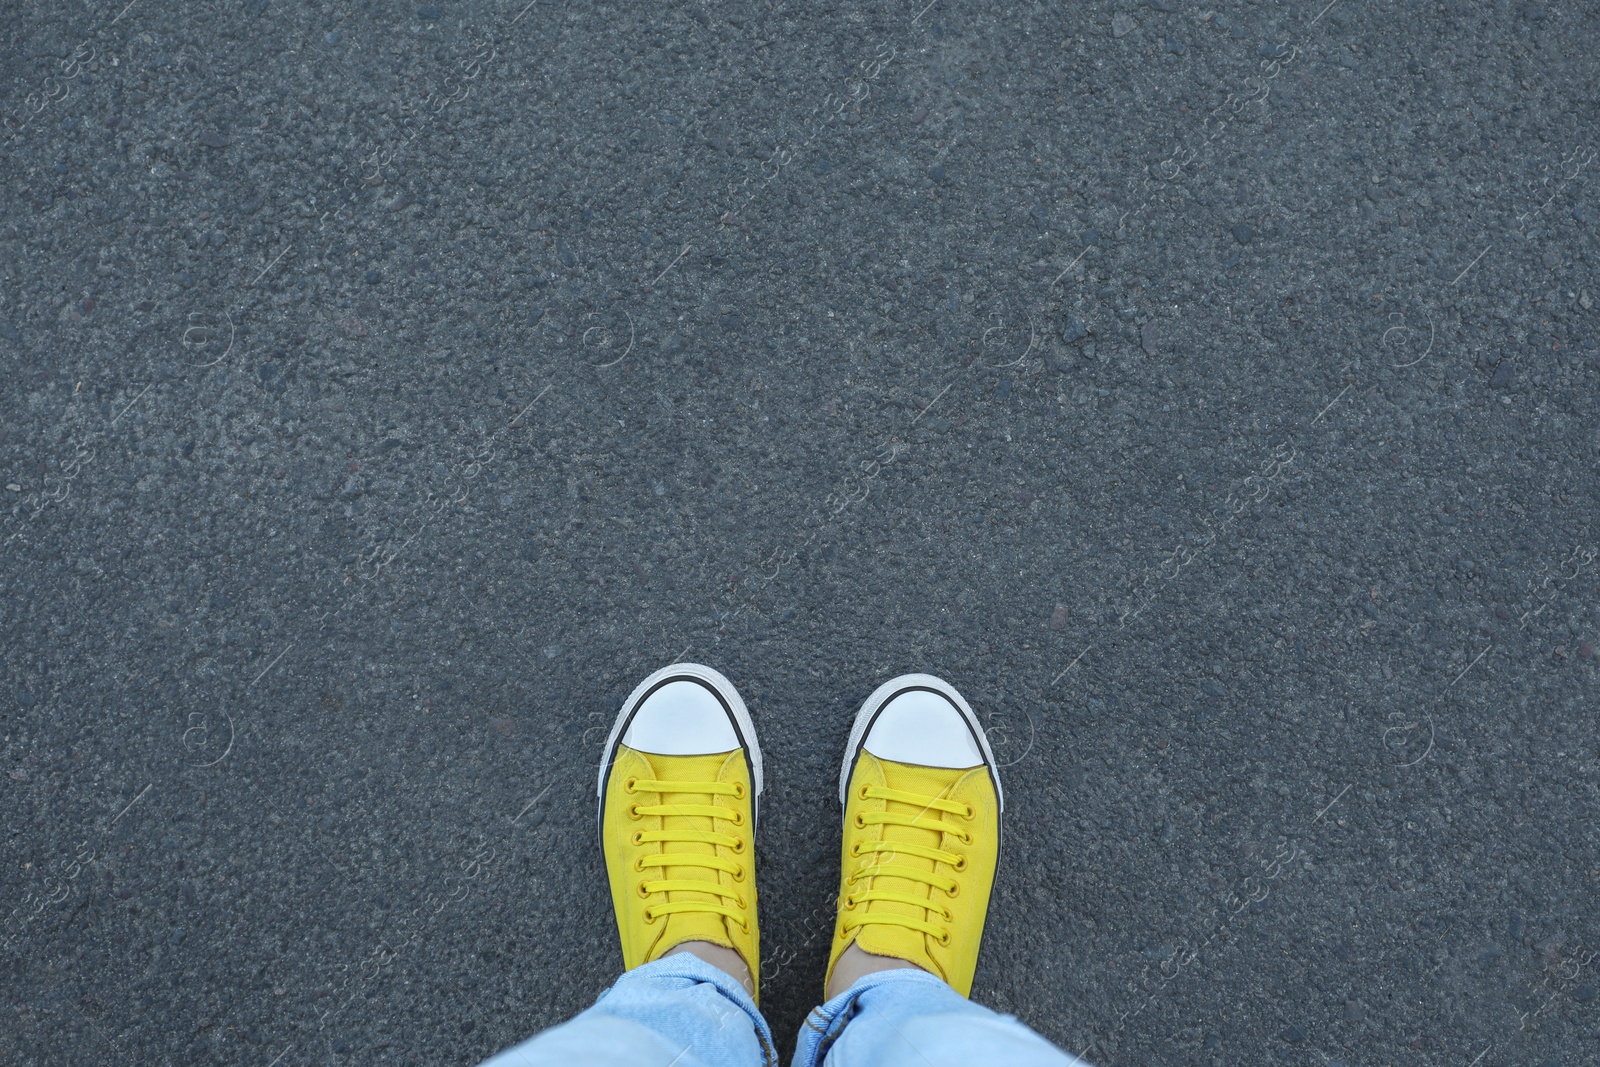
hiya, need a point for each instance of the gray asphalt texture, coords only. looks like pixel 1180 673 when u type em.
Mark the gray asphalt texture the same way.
pixel 1208 390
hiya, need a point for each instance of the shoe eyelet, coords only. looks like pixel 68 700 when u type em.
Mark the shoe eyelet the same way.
pixel 638 865
pixel 849 902
pixel 948 917
pixel 960 864
pixel 740 902
pixel 650 916
pixel 944 942
pixel 738 818
pixel 633 812
pixel 855 849
pixel 638 837
pixel 738 876
pixel 738 790
pixel 738 846
pixel 861 794
pixel 627 787
pixel 972 813
pixel 954 891
pixel 643 892
pixel 861 823
pixel 966 839
pixel 745 926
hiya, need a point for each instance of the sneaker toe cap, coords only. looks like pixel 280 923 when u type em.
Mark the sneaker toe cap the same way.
pixel 681 718
pixel 923 728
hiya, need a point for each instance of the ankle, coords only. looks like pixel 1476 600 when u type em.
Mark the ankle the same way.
pixel 724 959
pixel 855 963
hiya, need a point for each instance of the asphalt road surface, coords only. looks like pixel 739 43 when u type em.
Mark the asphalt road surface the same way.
pixel 1207 389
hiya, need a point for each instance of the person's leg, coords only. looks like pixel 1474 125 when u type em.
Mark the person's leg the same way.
pixel 679 783
pixel 922 806
pixel 909 1018
pixel 678 1010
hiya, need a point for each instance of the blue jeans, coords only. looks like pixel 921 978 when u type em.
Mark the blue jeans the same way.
pixel 683 1012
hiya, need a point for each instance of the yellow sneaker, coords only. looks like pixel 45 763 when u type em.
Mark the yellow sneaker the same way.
pixel 679 784
pixel 922 807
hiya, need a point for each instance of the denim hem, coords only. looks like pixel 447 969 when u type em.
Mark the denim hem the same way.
pixel 825 1023
pixel 688 966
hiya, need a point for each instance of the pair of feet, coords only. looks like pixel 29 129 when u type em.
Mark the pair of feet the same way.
pixel 680 782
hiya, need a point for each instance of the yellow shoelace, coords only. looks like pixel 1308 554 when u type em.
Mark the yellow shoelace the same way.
pixel 668 834
pixel 869 870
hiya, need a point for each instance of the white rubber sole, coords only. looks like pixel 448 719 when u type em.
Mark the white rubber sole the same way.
pixel 892 688
pixel 717 683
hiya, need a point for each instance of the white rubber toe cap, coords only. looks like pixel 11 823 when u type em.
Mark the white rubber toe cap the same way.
pixel 682 718
pixel 925 729
pixel 919 719
pixel 685 709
